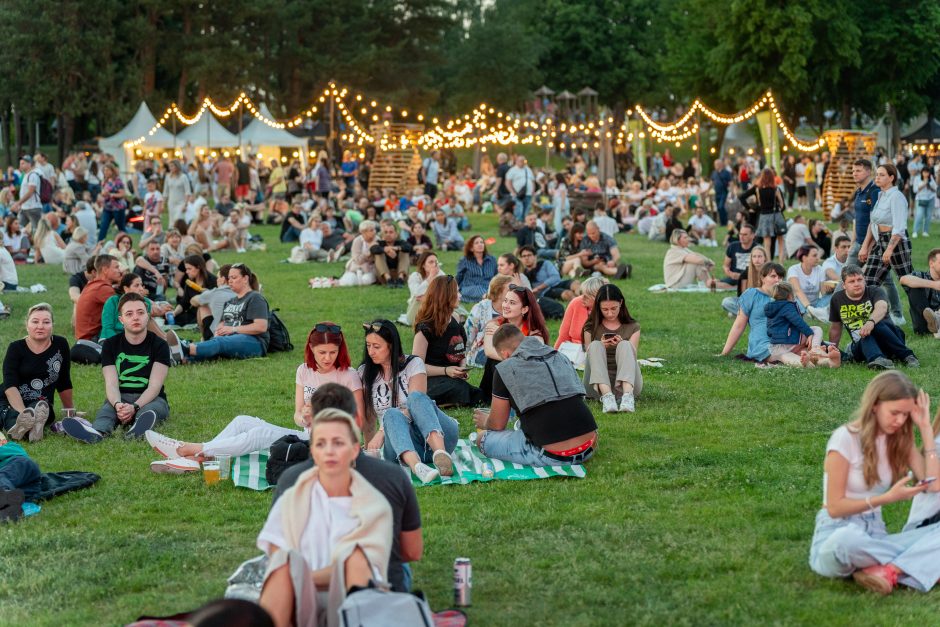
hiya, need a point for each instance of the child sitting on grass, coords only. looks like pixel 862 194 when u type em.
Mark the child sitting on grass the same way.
pixel 790 336
pixel 19 479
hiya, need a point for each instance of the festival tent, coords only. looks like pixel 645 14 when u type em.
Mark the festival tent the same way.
pixel 206 133
pixel 139 126
pixel 260 138
pixel 928 133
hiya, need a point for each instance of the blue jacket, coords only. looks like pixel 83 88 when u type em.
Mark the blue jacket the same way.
pixel 784 322
pixel 544 272
pixel 474 278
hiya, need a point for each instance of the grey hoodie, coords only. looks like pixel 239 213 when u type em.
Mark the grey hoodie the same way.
pixel 536 374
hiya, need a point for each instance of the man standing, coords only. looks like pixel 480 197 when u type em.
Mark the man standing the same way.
pixel 29 205
pixel 923 294
pixel 391 256
pixel 431 170
pixel 224 170
pixel 242 181
pixel 134 364
pixel 721 182
pixel 541 385
pixel 863 310
pixel 502 168
pixel 520 183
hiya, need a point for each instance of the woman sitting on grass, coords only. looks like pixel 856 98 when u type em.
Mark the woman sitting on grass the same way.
pixel 578 310
pixel 751 312
pixel 328 535
pixel 509 265
pixel 429 268
pixel 612 337
pixel 122 250
pixel 757 259
pixel 870 463
pixel 326 360
pixel 411 428
pixel 440 340
pixel 197 280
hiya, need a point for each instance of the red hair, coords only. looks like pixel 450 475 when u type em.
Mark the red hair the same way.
pixel 316 338
pixel 767 178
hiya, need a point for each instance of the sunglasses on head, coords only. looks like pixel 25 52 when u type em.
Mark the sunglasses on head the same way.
pixel 327 328
pixel 372 327
pixel 521 289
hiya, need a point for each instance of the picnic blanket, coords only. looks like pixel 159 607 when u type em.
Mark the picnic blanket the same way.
pixel 248 470
pixel 696 289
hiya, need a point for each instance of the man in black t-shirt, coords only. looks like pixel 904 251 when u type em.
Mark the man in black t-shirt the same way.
pixel 923 294
pixel 407 541
pixel 134 364
pixel 863 310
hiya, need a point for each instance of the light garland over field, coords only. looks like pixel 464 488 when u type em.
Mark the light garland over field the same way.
pixel 484 125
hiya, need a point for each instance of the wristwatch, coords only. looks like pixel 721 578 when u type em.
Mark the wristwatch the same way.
pixel 136 407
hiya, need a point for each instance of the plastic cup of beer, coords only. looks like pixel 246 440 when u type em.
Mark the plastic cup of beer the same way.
pixel 68 412
pixel 374 452
pixel 225 466
pixel 210 472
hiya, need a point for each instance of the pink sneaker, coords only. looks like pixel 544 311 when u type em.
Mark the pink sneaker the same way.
pixel 878 578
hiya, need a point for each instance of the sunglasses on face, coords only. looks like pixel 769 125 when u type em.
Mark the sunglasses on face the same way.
pixel 327 328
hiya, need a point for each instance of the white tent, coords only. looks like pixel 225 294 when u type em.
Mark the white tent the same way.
pixel 259 138
pixel 139 126
pixel 206 133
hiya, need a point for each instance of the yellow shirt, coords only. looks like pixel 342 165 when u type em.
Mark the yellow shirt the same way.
pixel 277 174
pixel 810 174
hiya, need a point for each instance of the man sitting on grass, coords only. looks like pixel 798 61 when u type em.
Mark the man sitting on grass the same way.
pixel 544 389
pixel 923 293
pixel 863 310
pixel 134 364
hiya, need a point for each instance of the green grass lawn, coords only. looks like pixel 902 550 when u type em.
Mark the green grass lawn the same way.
pixel 697 509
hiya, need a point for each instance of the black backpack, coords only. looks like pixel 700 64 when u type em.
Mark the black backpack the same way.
pixel 277 330
pixel 284 453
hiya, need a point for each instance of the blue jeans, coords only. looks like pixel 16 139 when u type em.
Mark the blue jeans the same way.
pixel 512 446
pixel 522 207
pixel 922 214
pixel 720 199
pixel 107 216
pixel 21 473
pixel 891 290
pixel 403 434
pixel 731 304
pixel 885 340
pixel 238 346
pixel 822 300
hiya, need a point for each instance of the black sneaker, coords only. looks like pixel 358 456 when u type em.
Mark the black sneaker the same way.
pixel 912 362
pixel 11 505
pixel 81 430
pixel 146 420
pixel 881 363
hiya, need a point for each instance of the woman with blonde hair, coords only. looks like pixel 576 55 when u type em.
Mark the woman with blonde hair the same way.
pixel 48 245
pixel 870 463
pixel 329 533
pixel 480 316
pixel 360 269
pixel 751 278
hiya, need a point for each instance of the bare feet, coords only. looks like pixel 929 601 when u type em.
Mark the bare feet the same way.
pixel 804 359
pixel 835 356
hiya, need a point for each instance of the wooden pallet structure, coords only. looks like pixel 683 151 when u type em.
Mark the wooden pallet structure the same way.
pixel 845 146
pixel 396 166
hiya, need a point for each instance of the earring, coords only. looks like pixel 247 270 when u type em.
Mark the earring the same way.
pixel 353 463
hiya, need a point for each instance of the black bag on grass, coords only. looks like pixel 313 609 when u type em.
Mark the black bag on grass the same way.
pixel 277 330
pixel 283 454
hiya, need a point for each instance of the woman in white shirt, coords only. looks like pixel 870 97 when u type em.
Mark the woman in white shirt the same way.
pixel 925 197
pixel 429 268
pixel 886 245
pixel 48 244
pixel 331 532
pixel 867 465
pixel 360 269
pixel 809 283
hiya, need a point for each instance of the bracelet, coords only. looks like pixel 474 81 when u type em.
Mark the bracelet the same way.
pixel 871 507
pixel 930 451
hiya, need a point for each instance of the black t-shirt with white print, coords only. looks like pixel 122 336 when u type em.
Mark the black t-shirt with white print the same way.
pixel 245 310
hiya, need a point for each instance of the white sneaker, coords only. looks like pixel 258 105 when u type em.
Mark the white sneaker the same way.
pixel 898 321
pixel 162 444
pixel 820 313
pixel 609 403
pixel 444 463
pixel 402 319
pixel 628 402
pixel 177 466
pixel 914 235
pixel 425 473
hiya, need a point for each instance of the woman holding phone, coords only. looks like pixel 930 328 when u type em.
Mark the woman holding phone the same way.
pixel 612 338
pixel 441 341
pixel 869 463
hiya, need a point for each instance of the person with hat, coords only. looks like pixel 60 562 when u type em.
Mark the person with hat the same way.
pixel 29 205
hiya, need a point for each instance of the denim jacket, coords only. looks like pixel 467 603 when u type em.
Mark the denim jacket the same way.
pixel 536 374
pixel 784 322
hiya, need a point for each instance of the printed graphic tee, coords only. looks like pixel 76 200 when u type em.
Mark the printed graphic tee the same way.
pixel 134 362
pixel 853 314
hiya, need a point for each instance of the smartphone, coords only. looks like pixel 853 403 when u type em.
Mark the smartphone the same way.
pixel 608 336
pixel 926 481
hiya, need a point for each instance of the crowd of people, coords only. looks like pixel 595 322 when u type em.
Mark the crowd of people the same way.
pixel 345 518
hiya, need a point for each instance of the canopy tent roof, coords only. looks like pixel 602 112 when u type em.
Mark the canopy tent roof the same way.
pixel 928 132
pixel 207 132
pixel 139 126
pixel 544 91
pixel 566 95
pixel 587 91
pixel 257 133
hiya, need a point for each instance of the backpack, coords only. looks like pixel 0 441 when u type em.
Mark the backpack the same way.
pixel 284 453
pixel 424 164
pixel 279 336
pixel 43 190
pixel 372 607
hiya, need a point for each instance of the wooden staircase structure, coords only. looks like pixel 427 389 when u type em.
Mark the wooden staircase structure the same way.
pixel 845 146
pixel 395 166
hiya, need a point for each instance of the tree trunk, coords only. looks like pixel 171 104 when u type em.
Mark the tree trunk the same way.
pixel 18 129
pixel 846 112
pixel 148 56
pixel 31 135
pixel 187 29
pixel 7 143
pixel 69 131
pixel 60 137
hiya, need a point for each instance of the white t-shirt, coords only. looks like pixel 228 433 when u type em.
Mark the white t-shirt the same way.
pixel 8 268
pixel 800 175
pixel 835 265
pixel 328 522
pixel 193 207
pixel 607 225
pixel 382 393
pixel 314 237
pixel 31 200
pixel 796 237
pixel 809 283
pixel 521 176
pixel 88 220
pixel 701 222
pixel 849 445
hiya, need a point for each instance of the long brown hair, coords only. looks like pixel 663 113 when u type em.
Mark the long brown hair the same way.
pixel 767 178
pixel 438 305
pixel 607 292
pixel 753 272
pixel 887 386
pixel 532 318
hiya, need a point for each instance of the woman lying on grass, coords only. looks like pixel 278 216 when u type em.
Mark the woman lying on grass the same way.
pixel 330 533
pixel 326 360
pixel 869 463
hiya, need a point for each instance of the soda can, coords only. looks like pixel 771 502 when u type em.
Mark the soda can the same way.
pixel 169 317
pixel 463 581
pixel 488 470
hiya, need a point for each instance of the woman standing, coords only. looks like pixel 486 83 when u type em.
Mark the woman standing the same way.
pixel 869 464
pixel 475 269
pixel 925 195
pixel 612 338
pixel 559 200
pixel 34 369
pixel 441 341
pixel 789 178
pixel 394 384
pixel 115 203
pixel 327 534
pixel 886 245
pixel 770 222
pixel 751 312
pixel 326 360
pixel 176 189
